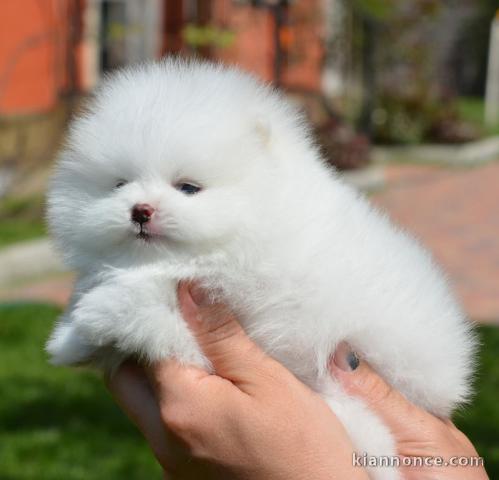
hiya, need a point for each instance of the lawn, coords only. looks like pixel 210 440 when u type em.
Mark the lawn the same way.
pixel 472 109
pixel 57 423
pixel 21 219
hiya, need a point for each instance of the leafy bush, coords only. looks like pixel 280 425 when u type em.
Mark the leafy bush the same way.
pixel 406 98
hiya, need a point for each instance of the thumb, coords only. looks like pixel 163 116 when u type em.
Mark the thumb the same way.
pixel 221 338
pixel 360 380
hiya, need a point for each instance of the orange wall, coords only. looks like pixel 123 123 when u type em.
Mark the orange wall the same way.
pixel 253 47
pixel 34 44
pixel 306 50
pixel 33 54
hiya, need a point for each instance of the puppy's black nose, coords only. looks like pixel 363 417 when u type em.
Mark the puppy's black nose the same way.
pixel 142 213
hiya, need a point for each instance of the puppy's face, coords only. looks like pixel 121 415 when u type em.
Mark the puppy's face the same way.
pixel 133 187
pixel 175 158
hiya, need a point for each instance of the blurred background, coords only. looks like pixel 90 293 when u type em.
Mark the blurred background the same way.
pixel 403 96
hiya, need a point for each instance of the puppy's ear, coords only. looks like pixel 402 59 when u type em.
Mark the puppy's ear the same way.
pixel 263 131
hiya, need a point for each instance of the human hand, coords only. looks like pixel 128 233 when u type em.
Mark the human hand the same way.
pixel 251 420
pixel 418 434
pixel 241 427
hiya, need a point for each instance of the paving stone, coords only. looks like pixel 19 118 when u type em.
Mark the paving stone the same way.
pixel 54 289
pixel 455 213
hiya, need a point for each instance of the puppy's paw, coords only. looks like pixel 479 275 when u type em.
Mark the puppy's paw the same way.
pixel 103 314
pixel 137 317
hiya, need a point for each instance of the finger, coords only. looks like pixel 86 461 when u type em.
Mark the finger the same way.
pixel 132 391
pixel 360 380
pixel 174 382
pixel 232 353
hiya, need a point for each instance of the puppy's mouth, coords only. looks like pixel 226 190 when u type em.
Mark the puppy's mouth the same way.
pixel 143 235
pixel 147 236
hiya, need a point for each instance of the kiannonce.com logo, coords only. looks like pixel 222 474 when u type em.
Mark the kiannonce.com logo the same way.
pixel 364 460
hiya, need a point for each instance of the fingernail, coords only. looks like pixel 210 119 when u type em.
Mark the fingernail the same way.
pixel 199 295
pixel 345 358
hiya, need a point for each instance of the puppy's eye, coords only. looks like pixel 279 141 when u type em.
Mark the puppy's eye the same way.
pixel 120 183
pixel 187 188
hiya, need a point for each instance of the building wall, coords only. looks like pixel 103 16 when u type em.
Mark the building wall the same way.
pixel 36 66
pixel 51 47
pixel 254 48
pixel 251 47
pixel 306 50
pixel 253 32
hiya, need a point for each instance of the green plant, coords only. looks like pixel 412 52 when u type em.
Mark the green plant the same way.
pixel 198 36
pixel 404 99
pixel 376 9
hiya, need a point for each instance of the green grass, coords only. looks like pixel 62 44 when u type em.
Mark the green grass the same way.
pixel 13 231
pixel 61 424
pixel 472 109
pixel 57 423
pixel 480 421
pixel 21 219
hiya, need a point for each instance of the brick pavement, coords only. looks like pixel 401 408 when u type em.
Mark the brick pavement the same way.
pixel 454 212
pixel 53 289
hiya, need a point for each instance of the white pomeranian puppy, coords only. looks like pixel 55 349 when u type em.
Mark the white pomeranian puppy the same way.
pixel 183 170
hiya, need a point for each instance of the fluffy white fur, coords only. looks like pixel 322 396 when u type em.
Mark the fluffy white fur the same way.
pixel 303 260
